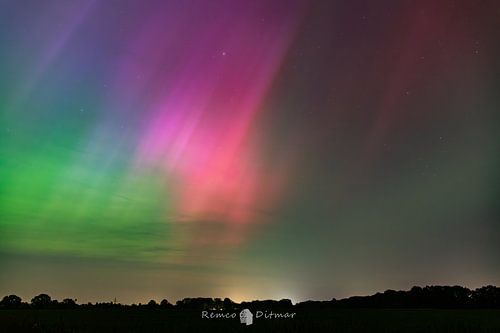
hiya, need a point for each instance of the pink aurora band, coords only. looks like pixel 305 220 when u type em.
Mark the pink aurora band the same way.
pixel 199 127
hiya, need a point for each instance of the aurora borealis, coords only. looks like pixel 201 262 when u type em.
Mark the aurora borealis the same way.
pixel 247 149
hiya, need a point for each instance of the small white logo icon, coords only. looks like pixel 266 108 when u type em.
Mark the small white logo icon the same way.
pixel 246 317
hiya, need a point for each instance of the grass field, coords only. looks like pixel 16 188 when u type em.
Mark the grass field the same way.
pixel 334 320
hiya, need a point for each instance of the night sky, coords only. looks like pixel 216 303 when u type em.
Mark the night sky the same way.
pixel 247 149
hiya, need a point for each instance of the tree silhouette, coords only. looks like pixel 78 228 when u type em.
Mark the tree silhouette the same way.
pixel 487 296
pixel 228 304
pixel 11 301
pixel 196 303
pixel 166 304
pixel 68 303
pixel 416 297
pixel 40 301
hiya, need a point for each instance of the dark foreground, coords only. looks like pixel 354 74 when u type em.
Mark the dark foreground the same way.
pixel 306 320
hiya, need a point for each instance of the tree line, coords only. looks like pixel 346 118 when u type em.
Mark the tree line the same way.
pixel 416 297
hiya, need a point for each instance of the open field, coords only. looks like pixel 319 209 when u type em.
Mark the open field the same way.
pixel 322 320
